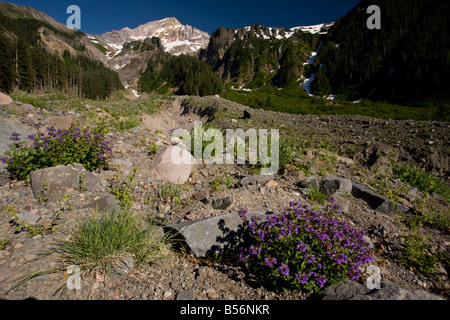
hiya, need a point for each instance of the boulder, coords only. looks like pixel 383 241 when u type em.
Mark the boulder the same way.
pixel 333 184
pixel 376 201
pixel 309 183
pixel 53 183
pixel 174 165
pixel 7 128
pixel 5 99
pixel 211 236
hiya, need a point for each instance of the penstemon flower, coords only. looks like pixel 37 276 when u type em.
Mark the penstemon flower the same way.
pixel 303 249
pixel 89 147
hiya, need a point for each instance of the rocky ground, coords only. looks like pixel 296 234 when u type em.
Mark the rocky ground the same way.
pixel 344 146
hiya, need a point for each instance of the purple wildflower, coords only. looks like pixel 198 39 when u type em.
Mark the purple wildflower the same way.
pixel 301 277
pixel 270 261
pixel 302 246
pixel 284 269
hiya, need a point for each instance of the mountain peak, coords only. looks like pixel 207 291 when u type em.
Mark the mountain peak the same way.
pixel 175 37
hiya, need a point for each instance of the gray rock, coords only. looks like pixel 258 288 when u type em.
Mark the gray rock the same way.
pixel 107 203
pixel 351 290
pixel 333 184
pixel 341 202
pixel 222 203
pixel 213 235
pixel 185 295
pixel 5 273
pixel 7 128
pixel 310 183
pixel 4 179
pixel 60 122
pixel 124 266
pixel 29 217
pixel 257 179
pixel 53 183
pixel 121 162
pixel 376 201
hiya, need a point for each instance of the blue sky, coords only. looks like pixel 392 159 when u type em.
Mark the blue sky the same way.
pixel 98 16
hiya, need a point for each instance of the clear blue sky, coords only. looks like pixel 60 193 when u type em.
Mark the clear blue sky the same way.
pixel 98 16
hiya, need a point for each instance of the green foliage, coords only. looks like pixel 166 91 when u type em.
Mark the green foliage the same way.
pixel 38 229
pixel 404 62
pixel 123 191
pixel 317 196
pixel 422 180
pixel 257 61
pixel 4 243
pixel 416 254
pixel 302 249
pixel 293 99
pixel 221 180
pixel 98 242
pixel 87 146
pixel 185 74
pixel 168 191
pixel 100 47
pixel 127 123
pixel 26 65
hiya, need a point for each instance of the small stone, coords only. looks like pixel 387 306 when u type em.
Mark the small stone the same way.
pixel 185 295
pixel 272 184
pixel 222 203
pixel 190 216
pixel 167 294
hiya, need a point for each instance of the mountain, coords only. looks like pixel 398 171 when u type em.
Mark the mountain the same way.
pixel 259 55
pixel 406 61
pixel 129 50
pixel 39 53
pixel 175 37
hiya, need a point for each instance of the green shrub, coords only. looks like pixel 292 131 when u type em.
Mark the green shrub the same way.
pixel 87 146
pixel 422 180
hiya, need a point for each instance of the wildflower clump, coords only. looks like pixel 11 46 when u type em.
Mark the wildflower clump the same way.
pixel 302 249
pixel 87 146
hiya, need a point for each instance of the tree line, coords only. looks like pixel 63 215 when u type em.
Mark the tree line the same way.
pixel 26 65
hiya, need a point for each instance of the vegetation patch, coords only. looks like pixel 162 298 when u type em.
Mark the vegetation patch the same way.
pixel 302 249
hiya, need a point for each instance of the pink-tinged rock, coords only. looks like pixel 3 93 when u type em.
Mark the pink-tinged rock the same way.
pixel 4 99
pixel 174 165
pixel 272 184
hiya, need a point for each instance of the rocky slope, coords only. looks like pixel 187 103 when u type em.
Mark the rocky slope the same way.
pixel 206 196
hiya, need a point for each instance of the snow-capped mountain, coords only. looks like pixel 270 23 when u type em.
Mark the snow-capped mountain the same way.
pixel 175 37
pixel 265 32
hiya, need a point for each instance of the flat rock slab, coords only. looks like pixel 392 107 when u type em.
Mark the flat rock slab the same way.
pixel 376 201
pixel 106 203
pixel 213 235
pixel 351 290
